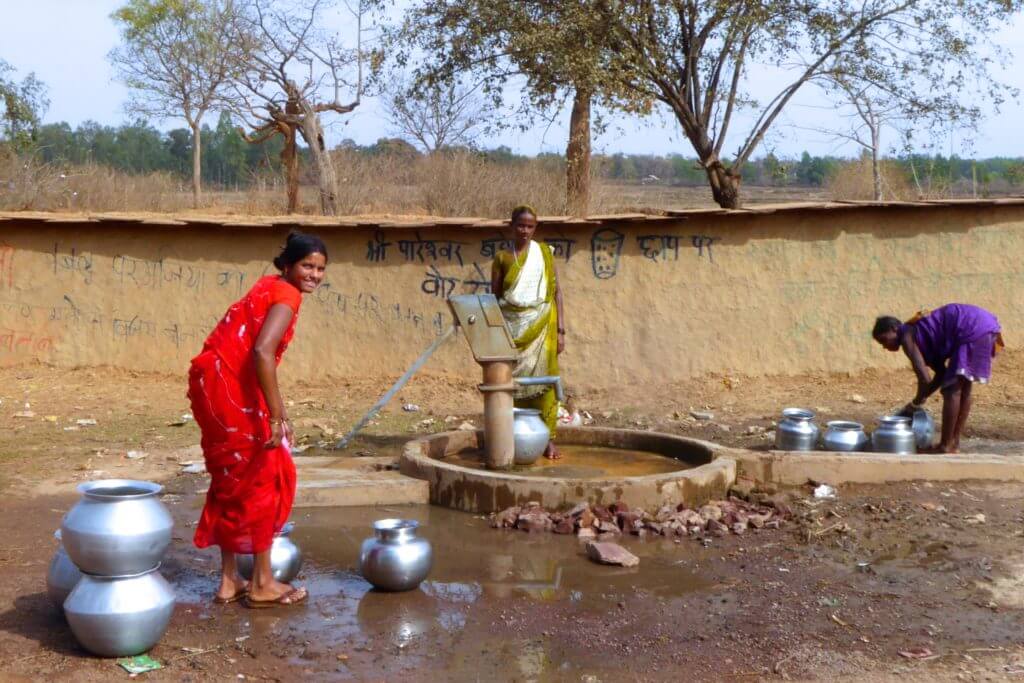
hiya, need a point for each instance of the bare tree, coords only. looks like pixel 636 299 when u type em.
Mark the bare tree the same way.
pixel 295 71
pixel 867 107
pixel 863 116
pixel 695 57
pixel 440 117
pixel 177 57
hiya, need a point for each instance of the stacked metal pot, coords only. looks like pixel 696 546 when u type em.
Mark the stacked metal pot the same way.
pixel 116 536
pixel 894 434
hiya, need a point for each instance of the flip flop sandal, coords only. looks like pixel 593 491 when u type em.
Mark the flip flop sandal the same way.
pixel 292 597
pixel 240 595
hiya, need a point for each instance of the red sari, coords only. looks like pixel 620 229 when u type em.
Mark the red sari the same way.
pixel 251 489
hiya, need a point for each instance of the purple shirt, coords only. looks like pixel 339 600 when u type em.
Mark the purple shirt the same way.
pixel 940 333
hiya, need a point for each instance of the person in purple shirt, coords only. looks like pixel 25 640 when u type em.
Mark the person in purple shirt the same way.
pixel 955 342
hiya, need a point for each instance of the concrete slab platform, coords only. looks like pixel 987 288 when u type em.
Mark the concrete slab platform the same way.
pixel 790 468
pixel 347 481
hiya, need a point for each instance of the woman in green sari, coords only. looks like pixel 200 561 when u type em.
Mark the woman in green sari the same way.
pixel 526 285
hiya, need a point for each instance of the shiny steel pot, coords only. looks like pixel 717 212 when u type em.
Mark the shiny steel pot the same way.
pixel 894 435
pixel 285 557
pixel 120 616
pixel 531 435
pixel 118 527
pixel 924 427
pixel 395 559
pixel 62 576
pixel 796 431
pixel 845 436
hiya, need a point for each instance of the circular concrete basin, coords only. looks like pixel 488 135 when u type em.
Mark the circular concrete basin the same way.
pixel 601 466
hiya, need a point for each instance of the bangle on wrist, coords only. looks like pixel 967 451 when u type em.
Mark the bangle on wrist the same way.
pixel 278 420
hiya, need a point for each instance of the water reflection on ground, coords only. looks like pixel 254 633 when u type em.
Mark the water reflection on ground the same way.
pixel 476 571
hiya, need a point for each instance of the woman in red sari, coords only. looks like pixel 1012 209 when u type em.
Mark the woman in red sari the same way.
pixel 245 430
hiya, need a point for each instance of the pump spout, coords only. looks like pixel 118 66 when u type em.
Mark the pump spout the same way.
pixel 554 380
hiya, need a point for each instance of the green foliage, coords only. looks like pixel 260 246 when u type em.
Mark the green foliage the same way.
pixel 228 161
pixel 552 46
pixel 23 104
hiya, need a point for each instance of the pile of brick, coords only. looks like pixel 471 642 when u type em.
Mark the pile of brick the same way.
pixel 586 521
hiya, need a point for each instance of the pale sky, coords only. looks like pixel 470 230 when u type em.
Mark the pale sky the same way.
pixel 65 42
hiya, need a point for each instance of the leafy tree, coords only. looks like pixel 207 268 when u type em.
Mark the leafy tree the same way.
pixel 1014 174
pixel 551 44
pixel 24 104
pixel 176 57
pixel 695 57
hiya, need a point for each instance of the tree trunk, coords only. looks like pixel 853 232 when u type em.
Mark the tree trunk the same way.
pixel 577 156
pixel 290 160
pixel 876 167
pixel 725 185
pixel 197 165
pixel 326 177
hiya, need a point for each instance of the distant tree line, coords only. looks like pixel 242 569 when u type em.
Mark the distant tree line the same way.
pixel 229 162
pixel 916 69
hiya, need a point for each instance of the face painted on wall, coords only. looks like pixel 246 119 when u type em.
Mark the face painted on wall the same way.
pixel 307 274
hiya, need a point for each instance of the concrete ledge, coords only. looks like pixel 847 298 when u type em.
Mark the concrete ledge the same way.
pixel 347 481
pixel 475 490
pixel 795 468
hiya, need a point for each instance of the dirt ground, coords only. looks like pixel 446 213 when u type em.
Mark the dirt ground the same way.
pixel 787 604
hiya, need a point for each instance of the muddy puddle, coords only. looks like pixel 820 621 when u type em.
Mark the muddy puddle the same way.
pixel 474 566
pixel 584 462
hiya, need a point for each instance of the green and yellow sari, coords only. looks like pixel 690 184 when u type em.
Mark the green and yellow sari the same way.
pixel 528 305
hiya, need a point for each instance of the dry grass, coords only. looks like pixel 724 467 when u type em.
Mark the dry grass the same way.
pixel 855 181
pixel 28 184
pixel 459 184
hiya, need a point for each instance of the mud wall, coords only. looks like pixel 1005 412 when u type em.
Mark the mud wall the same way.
pixel 780 293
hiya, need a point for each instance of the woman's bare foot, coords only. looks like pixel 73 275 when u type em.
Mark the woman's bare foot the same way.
pixel 231 588
pixel 551 453
pixel 940 449
pixel 269 591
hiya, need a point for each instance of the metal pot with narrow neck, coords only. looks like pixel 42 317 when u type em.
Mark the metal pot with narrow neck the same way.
pixel 285 557
pixel 120 616
pixel 530 434
pixel 118 527
pixel 894 435
pixel 62 576
pixel 845 437
pixel 923 426
pixel 395 559
pixel 796 431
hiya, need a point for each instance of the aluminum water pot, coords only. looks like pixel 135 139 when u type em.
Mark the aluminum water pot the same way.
pixel 62 576
pixel 845 436
pixel 120 616
pixel 531 435
pixel 924 427
pixel 118 527
pixel 285 557
pixel 894 435
pixel 796 431
pixel 395 559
